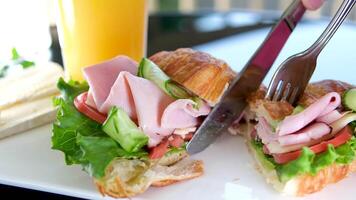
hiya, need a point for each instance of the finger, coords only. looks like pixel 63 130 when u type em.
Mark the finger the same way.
pixel 313 4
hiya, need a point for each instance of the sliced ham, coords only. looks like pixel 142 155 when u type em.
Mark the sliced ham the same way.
pixel 150 102
pixel 265 132
pixel 142 100
pixel 90 99
pixel 121 96
pixel 101 77
pixel 331 117
pixel 311 132
pixel 184 131
pixel 342 122
pixel 181 114
pixel 323 106
pixel 113 83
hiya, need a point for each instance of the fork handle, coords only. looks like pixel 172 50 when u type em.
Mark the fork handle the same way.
pixel 330 30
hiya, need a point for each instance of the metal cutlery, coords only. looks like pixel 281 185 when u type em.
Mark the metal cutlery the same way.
pixel 292 76
pixel 233 101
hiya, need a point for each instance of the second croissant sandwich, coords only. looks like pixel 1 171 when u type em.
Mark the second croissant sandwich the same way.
pixel 301 149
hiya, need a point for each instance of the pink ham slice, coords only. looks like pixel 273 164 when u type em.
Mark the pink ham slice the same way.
pixel 264 131
pixel 331 117
pixel 120 95
pixel 143 101
pixel 90 99
pixel 112 83
pixel 101 77
pixel 323 106
pixel 150 102
pixel 311 132
pixel 181 114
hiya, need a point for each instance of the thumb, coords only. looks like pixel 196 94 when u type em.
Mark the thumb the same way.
pixel 313 4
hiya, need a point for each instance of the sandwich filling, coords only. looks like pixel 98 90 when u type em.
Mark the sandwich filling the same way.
pixel 304 139
pixel 124 110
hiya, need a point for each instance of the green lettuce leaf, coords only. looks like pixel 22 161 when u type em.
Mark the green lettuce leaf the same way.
pixel 100 151
pixel 81 139
pixel 324 159
pixel 123 130
pixel 309 162
pixel 296 167
pixel 70 122
pixel 265 160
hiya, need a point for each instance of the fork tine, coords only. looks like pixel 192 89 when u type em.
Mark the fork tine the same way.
pixel 286 92
pixel 279 92
pixel 272 90
pixel 293 96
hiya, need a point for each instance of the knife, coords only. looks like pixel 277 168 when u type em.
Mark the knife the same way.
pixel 233 102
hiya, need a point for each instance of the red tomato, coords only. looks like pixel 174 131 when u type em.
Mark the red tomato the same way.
pixel 341 138
pixel 159 150
pixel 177 141
pixel 92 113
pixel 188 137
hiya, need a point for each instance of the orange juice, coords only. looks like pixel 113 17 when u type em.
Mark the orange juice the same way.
pixel 91 31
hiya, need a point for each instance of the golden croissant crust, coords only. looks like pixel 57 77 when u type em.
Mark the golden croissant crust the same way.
pixel 314 91
pixel 199 72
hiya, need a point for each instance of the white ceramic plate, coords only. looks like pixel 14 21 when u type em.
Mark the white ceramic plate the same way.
pixel 27 161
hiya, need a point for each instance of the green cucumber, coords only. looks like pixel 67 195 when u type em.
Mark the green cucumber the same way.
pixel 349 99
pixel 176 91
pixel 123 130
pixel 150 71
pixel 298 109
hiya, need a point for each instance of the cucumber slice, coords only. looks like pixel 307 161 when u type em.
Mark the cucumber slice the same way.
pixel 298 109
pixel 177 91
pixel 150 71
pixel 349 99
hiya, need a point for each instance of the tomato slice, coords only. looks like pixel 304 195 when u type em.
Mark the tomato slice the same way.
pixel 177 141
pixel 159 150
pixel 188 137
pixel 341 138
pixel 92 113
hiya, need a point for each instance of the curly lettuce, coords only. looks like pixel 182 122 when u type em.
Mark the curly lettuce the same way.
pixel 81 139
pixel 308 162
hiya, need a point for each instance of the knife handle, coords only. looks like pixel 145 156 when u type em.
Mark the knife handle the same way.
pixel 294 13
pixel 267 53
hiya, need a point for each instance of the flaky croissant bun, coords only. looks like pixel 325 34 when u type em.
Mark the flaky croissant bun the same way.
pixel 127 178
pixel 199 72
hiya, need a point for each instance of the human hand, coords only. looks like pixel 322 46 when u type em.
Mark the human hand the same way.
pixel 313 4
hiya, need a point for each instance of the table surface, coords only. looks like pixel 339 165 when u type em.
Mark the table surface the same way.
pixel 22 167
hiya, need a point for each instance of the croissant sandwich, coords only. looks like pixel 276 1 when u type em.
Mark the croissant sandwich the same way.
pixel 300 149
pixel 128 124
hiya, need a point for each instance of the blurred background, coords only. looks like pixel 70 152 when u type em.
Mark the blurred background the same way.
pixel 29 25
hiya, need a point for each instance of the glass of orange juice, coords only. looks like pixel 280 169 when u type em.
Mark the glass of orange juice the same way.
pixel 91 31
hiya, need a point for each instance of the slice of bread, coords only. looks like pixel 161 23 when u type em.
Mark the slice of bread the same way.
pixel 127 178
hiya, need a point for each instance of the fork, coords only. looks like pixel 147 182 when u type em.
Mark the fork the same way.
pixel 292 76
